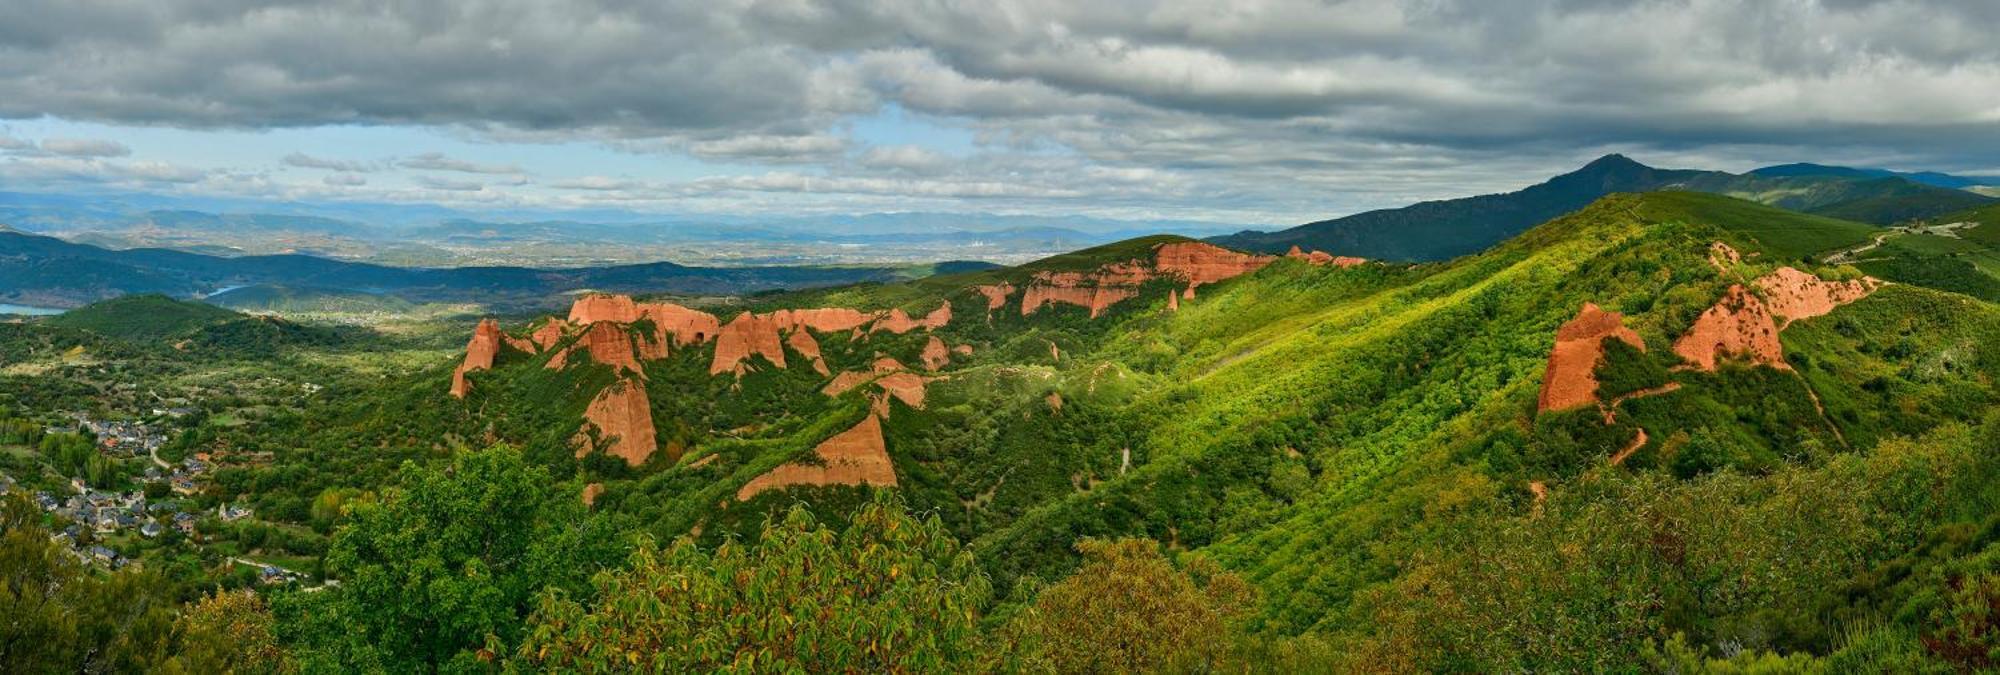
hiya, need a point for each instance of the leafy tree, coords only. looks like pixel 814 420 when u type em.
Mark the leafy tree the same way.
pixel 227 632
pixel 1130 609
pixel 59 617
pixel 890 593
pixel 446 565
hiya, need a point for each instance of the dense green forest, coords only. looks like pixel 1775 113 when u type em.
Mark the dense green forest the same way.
pixel 1306 468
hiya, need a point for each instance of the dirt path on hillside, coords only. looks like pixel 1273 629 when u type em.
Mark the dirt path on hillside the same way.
pixel 1638 441
pixel 1611 408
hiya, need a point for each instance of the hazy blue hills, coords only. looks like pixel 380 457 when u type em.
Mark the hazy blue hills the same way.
pixel 38 270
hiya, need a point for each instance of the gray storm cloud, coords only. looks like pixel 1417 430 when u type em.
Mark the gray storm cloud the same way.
pixel 1271 100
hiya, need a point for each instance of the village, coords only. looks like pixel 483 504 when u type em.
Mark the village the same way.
pixel 93 521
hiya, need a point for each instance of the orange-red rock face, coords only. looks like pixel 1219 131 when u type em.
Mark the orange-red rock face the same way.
pixel 687 326
pixel 1200 263
pixel 604 342
pixel 1193 262
pixel 1570 380
pixel 622 419
pixel 899 323
pixel 853 457
pixel 1738 325
pixel 905 386
pixel 1048 291
pixel 1796 295
pixel 824 320
pixel 935 354
pixel 996 294
pixel 593 308
pixel 549 334
pixel 1324 258
pixel 479 353
pixel 743 336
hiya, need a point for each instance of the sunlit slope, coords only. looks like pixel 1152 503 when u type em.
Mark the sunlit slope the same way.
pixel 1310 427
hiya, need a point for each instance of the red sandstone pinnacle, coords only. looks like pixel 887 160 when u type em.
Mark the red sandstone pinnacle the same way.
pixel 857 456
pixel 622 418
pixel 479 353
pixel 1570 380
pixel 1193 262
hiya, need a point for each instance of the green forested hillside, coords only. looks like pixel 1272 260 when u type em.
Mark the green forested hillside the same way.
pixel 1305 468
pixel 1438 230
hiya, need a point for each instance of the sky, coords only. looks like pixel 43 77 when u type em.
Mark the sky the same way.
pixel 1245 111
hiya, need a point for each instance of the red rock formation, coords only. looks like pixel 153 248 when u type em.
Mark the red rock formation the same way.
pixel 1738 324
pixel 743 336
pixel 962 350
pixel 593 308
pixel 479 353
pixel 845 381
pixel 899 323
pixel 996 294
pixel 1200 263
pixel 549 334
pixel 935 354
pixel 622 421
pixel 1796 295
pixel 591 492
pixel 886 365
pixel 1096 299
pixel 687 326
pixel 802 342
pixel 1173 301
pixel 825 320
pixel 605 342
pixel 1324 258
pixel 853 457
pixel 1570 379
pixel 905 386
pixel 1721 256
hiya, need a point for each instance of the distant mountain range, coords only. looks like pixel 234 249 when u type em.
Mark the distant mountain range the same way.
pixel 437 236
pixel 1449 228
pixel 46 271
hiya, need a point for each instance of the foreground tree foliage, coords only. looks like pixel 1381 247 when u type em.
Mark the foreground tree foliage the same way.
pixel 447 566
pixel 1130 609
pixel 890 593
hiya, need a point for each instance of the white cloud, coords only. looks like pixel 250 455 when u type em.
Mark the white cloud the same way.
pixel 305 161
pixel 85 147
pixel 434 161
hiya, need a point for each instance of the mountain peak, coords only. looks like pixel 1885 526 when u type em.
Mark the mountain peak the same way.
pixel 1612 162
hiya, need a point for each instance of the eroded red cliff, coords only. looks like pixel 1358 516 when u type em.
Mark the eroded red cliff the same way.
pixel 619 422
pixel 1738 325
pixel 856 456
pixel 1570 380
pixel 479 353
pixel 1793 295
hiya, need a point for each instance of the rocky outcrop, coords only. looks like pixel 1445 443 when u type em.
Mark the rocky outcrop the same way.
pixel 591 492
pixel 1738 325
pixel 899 323
pixel 935 354
pixel 594 308
pixel 743 336
pixel 1570 380
pixel 829 320
pixel 996 294
pixel 857 456
pixel 479 353
pixel 619 422
pixel 1793 295
pixel 1721 256
pixel 1324 258
pixel 604 342
pixel 907 387
pixel 1193 263
pixel 549 334
pixel 685 326
pixel 1053 289
pixel 802 341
